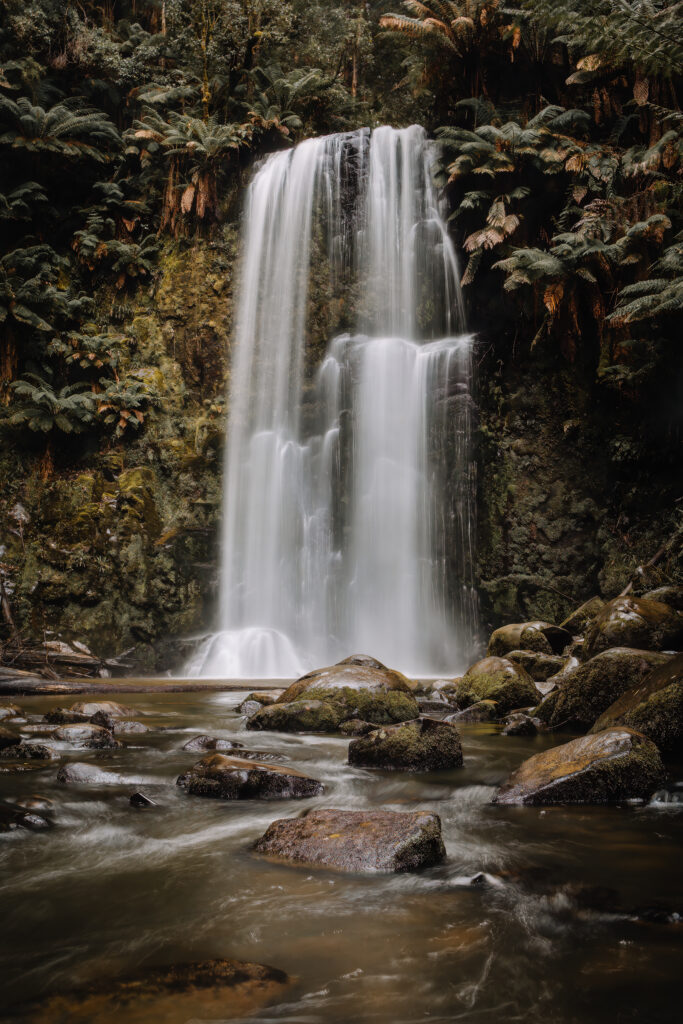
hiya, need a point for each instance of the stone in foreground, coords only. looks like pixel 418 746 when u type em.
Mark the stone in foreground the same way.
pixel 424 746
pixel 232 778
pixel 210 990
pixel 654 707
pixel 361 841
pixel 612 765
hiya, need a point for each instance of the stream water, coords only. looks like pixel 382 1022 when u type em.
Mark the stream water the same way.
pixel 543 935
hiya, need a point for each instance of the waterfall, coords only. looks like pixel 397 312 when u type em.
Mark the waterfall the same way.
pixel 349 480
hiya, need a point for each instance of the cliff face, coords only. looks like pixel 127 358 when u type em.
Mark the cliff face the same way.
pixel 118 546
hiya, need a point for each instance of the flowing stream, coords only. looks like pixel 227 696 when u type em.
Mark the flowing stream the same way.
pixel 566 914
pixel 349 478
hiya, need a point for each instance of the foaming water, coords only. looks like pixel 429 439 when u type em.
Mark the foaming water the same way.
pixel 349 478
pixel 521 922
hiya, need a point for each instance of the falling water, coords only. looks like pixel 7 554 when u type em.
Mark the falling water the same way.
pixel 349 482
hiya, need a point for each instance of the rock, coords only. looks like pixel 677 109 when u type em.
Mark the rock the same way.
pixel 375 694
pixel 362 841
pixel 434 703
pixel 210 743
pixel 108 707
pixel 93 737
pixel 80 773
pixel 35 803
pixel 542 637
pixel 423 746
pixel 613 765
pixel 365 660
pixel 264 697
pixel 579 619
pixel 233 778
pixel 539 666
pixel 299 716
pixel 583 694
pixel 12 817
pixel 654 706
pixel 634 622
pixel 482 711
pixel 64 716
pixel 8 738
pixel 128 728
pixel 255 701
pixel 500 680
pixel 10 711
pixel 27 752
pixel 249 707
pixel 519 725
pixel 209 990
pixel 356 727
pixel 140 800
pixel 673 596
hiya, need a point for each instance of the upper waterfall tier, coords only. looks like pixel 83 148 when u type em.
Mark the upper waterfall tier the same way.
pixel 348 501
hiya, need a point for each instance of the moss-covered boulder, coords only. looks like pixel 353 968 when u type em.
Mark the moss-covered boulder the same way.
pixel 528 636
pixel 299 716
pixel 610 766
pixel 654 706
pixel 673 596
pixel 634 622
pixel 519 725
pixel 578 620
pixel 375 694
pixel 583 694
pixel 233 778
pixel 500 680
pixel 539 666
pixel 422 746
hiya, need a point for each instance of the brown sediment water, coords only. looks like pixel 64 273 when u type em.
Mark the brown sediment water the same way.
pixel 552 915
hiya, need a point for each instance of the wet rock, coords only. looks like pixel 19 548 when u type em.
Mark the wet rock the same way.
pixel 500 680
pixel 93 737
pixel 35 803
pixel 519 725
pixel 375 694
pixel 108 707
pixel 579 619
pixel 538 636
pixel 539 666
pixel 27 752
pixel 128 728
pixel 363 659
pixel 12 817
pixel 673 596
pixel 264 697
pixel 299 716
pixel 356 727
pixel 422 746
pixel 613 765
pixel 140 800
pixel 482 711
pixel 255 701
pixel 249 707
pixel 361 841
pixel 634 622
pixel 80 773
pixel 210 743
pixel 436 702
pixel 233 778
pixel 206 990
pixel 64 716
pixel 10 711
pixel 654 706
pixel 584 693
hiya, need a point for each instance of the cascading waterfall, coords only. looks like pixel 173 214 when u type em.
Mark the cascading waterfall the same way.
pixel 349 480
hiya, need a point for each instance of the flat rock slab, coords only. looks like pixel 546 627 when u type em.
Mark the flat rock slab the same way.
pixel 612 765
pixel 360 841
pixel 234 778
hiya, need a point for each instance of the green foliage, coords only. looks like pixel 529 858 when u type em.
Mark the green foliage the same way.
pixel 43 409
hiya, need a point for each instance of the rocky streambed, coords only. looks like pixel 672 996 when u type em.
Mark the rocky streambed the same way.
pixel 354 846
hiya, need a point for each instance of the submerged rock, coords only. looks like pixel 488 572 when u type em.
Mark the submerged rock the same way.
pixel 210 743
pixel 578 620
pixel 481 711
pixel 13 816
pixel 584 693
pixel 299 716
pixel 362 841
pixel 422 746
pixel 375 694
pixel 86 736
pixel 35 803
pixel 634 622
pixel 539 666
pixel 542 637
pixel 500 680
pixel 209 989
pixel 654 706
pixel 80 773
pixel 613 765
pixel 233 778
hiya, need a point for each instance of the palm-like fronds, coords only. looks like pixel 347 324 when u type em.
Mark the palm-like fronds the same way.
pixel 66 129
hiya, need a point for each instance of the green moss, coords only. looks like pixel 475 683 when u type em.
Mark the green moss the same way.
pixel 298 716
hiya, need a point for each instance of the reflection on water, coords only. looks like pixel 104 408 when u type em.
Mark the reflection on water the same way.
pixel 561 915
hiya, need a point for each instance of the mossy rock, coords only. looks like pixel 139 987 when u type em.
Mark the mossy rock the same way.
pixel 482 711
pixel 299 716
pixel 634 622
pixel 539 666
pixel 422 746
pixel 579 619
pixel 673 596
pixel 500 680
pixel 538 636
pixel 377 695
pixel 584 693
pixel 654 707
pixel 612 765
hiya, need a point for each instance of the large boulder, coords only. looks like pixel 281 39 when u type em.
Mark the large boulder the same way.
pixel 528 636
pixel 368 691
pixel 207 990
pixel 634 622
pixel 612 765
pixel 539 666
pixel 299 716
pixel 500 680
pixel 367 841
pixel 578 620
pixel 81 735
pixel 654 706
pixel 234 778
pixel 583 694
pixel 423 746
